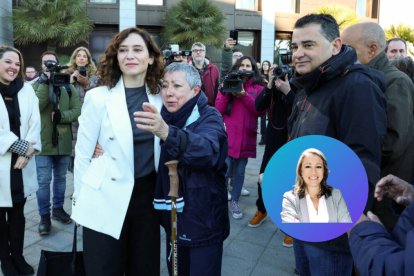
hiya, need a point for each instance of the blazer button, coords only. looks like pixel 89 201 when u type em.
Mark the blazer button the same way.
pixel 113 178
pixel 111 138
pixel 113 158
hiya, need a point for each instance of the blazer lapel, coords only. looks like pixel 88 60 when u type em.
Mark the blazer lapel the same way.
pixel 156 101
pixel 304 210
pixel 120 122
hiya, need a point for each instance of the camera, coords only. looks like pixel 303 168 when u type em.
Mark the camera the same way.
pixel 172 53
pixel 82 71
pixel 283 70
pixel 233 82
pixel 56 78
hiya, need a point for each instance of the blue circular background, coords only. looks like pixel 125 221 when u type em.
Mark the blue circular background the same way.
pixel 346 174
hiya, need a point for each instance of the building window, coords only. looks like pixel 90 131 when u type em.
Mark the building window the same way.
pixel 151 2
pixel 246 5
pixel 361 8
pixel 285 6
pixel 103 1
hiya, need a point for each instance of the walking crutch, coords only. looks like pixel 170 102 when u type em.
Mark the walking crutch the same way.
pixel 173 194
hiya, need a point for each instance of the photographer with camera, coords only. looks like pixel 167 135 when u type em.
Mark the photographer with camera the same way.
pixel 236 103
pixel 276 99
pixel 59 107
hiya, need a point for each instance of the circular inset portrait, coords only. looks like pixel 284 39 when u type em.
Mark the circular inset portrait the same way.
pixel 315 188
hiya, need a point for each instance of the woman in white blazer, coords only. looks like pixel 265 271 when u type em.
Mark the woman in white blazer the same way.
pixel 19 141
pixel 113 193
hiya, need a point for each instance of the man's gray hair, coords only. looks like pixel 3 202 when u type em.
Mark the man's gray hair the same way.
pixel 191 74
pixel 199 44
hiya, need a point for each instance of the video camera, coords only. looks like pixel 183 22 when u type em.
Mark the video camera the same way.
pixel 283 70
pixel 56 78
pixel 233 82
pixel 172 52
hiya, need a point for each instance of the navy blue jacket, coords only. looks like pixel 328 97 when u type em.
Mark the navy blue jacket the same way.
pixel 201 154
pixel 377 252
pixel 345 101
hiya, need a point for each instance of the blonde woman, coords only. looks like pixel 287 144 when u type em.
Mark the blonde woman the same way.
pixel 82 71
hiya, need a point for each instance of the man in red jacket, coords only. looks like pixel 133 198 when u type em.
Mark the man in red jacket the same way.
pixel 209 73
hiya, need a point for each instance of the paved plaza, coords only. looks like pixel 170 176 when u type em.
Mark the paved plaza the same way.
pixel 247 251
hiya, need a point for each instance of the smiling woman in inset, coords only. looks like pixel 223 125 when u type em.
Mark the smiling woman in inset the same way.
pixel 312 199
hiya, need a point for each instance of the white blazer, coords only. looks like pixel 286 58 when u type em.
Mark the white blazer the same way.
pixel 29 131
pixel 103 185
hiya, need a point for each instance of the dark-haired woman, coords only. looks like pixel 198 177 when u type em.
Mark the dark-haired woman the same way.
pixel 113 193
pixel 240 117
pixel 19 141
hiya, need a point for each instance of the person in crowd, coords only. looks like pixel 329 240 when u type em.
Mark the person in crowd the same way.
pixel 20 140
pixel 406 65
pixel 229 57
pixel 59 107
pixel 193 133
pixel 113 193
pixel 395 48
pixel 329 101
pixel 31 75
pixel 368 39
pixel 82 71
pixel 209 73
pixel 240 116
pixel 83 76
pixel 277 99
pixel 313 199
pixel 264 70
pixel 374 249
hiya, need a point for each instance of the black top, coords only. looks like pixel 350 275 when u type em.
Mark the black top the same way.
pixel 143 140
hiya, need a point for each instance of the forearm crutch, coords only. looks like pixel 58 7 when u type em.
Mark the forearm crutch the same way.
pixel 173 194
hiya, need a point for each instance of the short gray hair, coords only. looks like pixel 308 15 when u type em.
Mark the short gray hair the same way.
pixel 191 74
pixel 199 44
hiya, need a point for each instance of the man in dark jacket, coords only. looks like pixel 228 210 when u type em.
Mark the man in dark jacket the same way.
pixel 209 73
pixel 378 252
pixel 368 39
pixel 337 98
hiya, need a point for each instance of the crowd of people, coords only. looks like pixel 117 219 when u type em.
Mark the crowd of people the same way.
pixel 117 123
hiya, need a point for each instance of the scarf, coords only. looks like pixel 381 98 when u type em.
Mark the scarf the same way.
pixel 11 91
pixel 180 119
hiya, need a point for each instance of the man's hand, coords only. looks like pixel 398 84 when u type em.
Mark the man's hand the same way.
pixel 396 188
pixel 369 217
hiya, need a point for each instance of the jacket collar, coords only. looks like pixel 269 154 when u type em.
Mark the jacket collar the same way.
pixel 330 69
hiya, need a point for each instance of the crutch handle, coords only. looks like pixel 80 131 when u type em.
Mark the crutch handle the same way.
pixel 173 174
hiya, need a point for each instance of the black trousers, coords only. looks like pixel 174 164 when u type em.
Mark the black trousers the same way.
pixel 12 224
pixel 137 252
pixel 259 201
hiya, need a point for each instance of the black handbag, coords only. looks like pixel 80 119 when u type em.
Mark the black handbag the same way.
pixel 62 263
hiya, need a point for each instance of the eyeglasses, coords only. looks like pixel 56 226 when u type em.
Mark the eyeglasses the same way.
pixel 197 51
pixel 237 56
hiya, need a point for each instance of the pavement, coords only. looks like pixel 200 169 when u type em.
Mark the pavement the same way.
pixel 247 251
